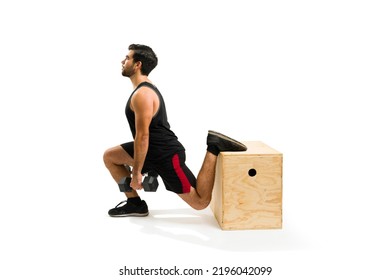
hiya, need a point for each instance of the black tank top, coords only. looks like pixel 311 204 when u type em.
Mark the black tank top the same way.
pixel 162 140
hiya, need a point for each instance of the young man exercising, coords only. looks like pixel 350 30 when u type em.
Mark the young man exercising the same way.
pixel 155 146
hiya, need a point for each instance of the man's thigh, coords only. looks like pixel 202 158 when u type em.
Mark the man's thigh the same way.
pixel 119 156
pixel 177 177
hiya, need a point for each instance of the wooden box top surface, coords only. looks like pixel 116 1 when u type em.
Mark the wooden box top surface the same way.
pixel 255 148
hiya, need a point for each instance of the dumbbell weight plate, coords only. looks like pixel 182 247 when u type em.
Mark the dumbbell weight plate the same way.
pixel 150 183
pixel 124 184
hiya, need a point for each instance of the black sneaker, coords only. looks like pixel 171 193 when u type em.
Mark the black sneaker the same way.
pixel 126 209
pixel 224 143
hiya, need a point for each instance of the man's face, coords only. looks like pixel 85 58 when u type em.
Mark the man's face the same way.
pixel 128 65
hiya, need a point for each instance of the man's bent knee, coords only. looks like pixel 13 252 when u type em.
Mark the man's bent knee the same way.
pixel 195 201
pixel 107 157
pixel 117 156
pixel 202 204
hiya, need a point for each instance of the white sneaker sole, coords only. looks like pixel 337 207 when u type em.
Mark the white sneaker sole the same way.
pixel 131 215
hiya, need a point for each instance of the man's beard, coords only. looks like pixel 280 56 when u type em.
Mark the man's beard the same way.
pixel 128 72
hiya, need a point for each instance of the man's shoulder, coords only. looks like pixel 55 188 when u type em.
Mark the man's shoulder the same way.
pixel 147 85
pixel 144 94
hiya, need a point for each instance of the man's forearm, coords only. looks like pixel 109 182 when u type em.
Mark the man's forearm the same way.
pixel 141 145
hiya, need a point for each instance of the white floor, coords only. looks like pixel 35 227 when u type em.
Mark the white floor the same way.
pixel 79 240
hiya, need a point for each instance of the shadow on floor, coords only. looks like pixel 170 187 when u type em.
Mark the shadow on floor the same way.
pixel 201 228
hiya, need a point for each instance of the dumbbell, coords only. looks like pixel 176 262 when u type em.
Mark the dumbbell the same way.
pixel 150 183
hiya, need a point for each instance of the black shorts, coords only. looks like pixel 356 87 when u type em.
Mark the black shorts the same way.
pixel 175 174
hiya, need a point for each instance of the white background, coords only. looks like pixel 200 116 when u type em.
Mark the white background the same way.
pixel 309 78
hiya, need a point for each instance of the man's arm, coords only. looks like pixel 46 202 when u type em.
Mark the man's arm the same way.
pixel 142 103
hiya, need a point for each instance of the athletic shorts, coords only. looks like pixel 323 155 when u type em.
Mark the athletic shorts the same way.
pixel 175 174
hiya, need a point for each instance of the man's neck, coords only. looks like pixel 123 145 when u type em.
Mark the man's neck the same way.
pixel 137 79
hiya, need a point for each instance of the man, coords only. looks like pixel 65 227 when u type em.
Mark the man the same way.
pixel 155 146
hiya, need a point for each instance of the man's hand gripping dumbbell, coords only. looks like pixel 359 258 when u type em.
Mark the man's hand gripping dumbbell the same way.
pixel 150 183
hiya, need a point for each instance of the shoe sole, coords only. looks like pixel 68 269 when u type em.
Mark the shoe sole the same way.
pixel 224 137
pixel 131 215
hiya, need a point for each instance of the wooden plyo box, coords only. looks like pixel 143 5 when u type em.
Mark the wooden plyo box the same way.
pixel 247 190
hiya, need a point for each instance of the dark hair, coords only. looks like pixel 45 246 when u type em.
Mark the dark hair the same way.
pixel 146 55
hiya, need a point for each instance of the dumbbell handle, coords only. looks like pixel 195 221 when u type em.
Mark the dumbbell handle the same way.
pixel 124 183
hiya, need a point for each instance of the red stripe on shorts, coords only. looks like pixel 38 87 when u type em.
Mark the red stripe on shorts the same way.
pixel 186 185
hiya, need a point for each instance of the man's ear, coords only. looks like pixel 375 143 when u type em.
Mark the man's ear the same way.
pixel 138 64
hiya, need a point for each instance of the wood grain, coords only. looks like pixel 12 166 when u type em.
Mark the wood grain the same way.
pixel 242 201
